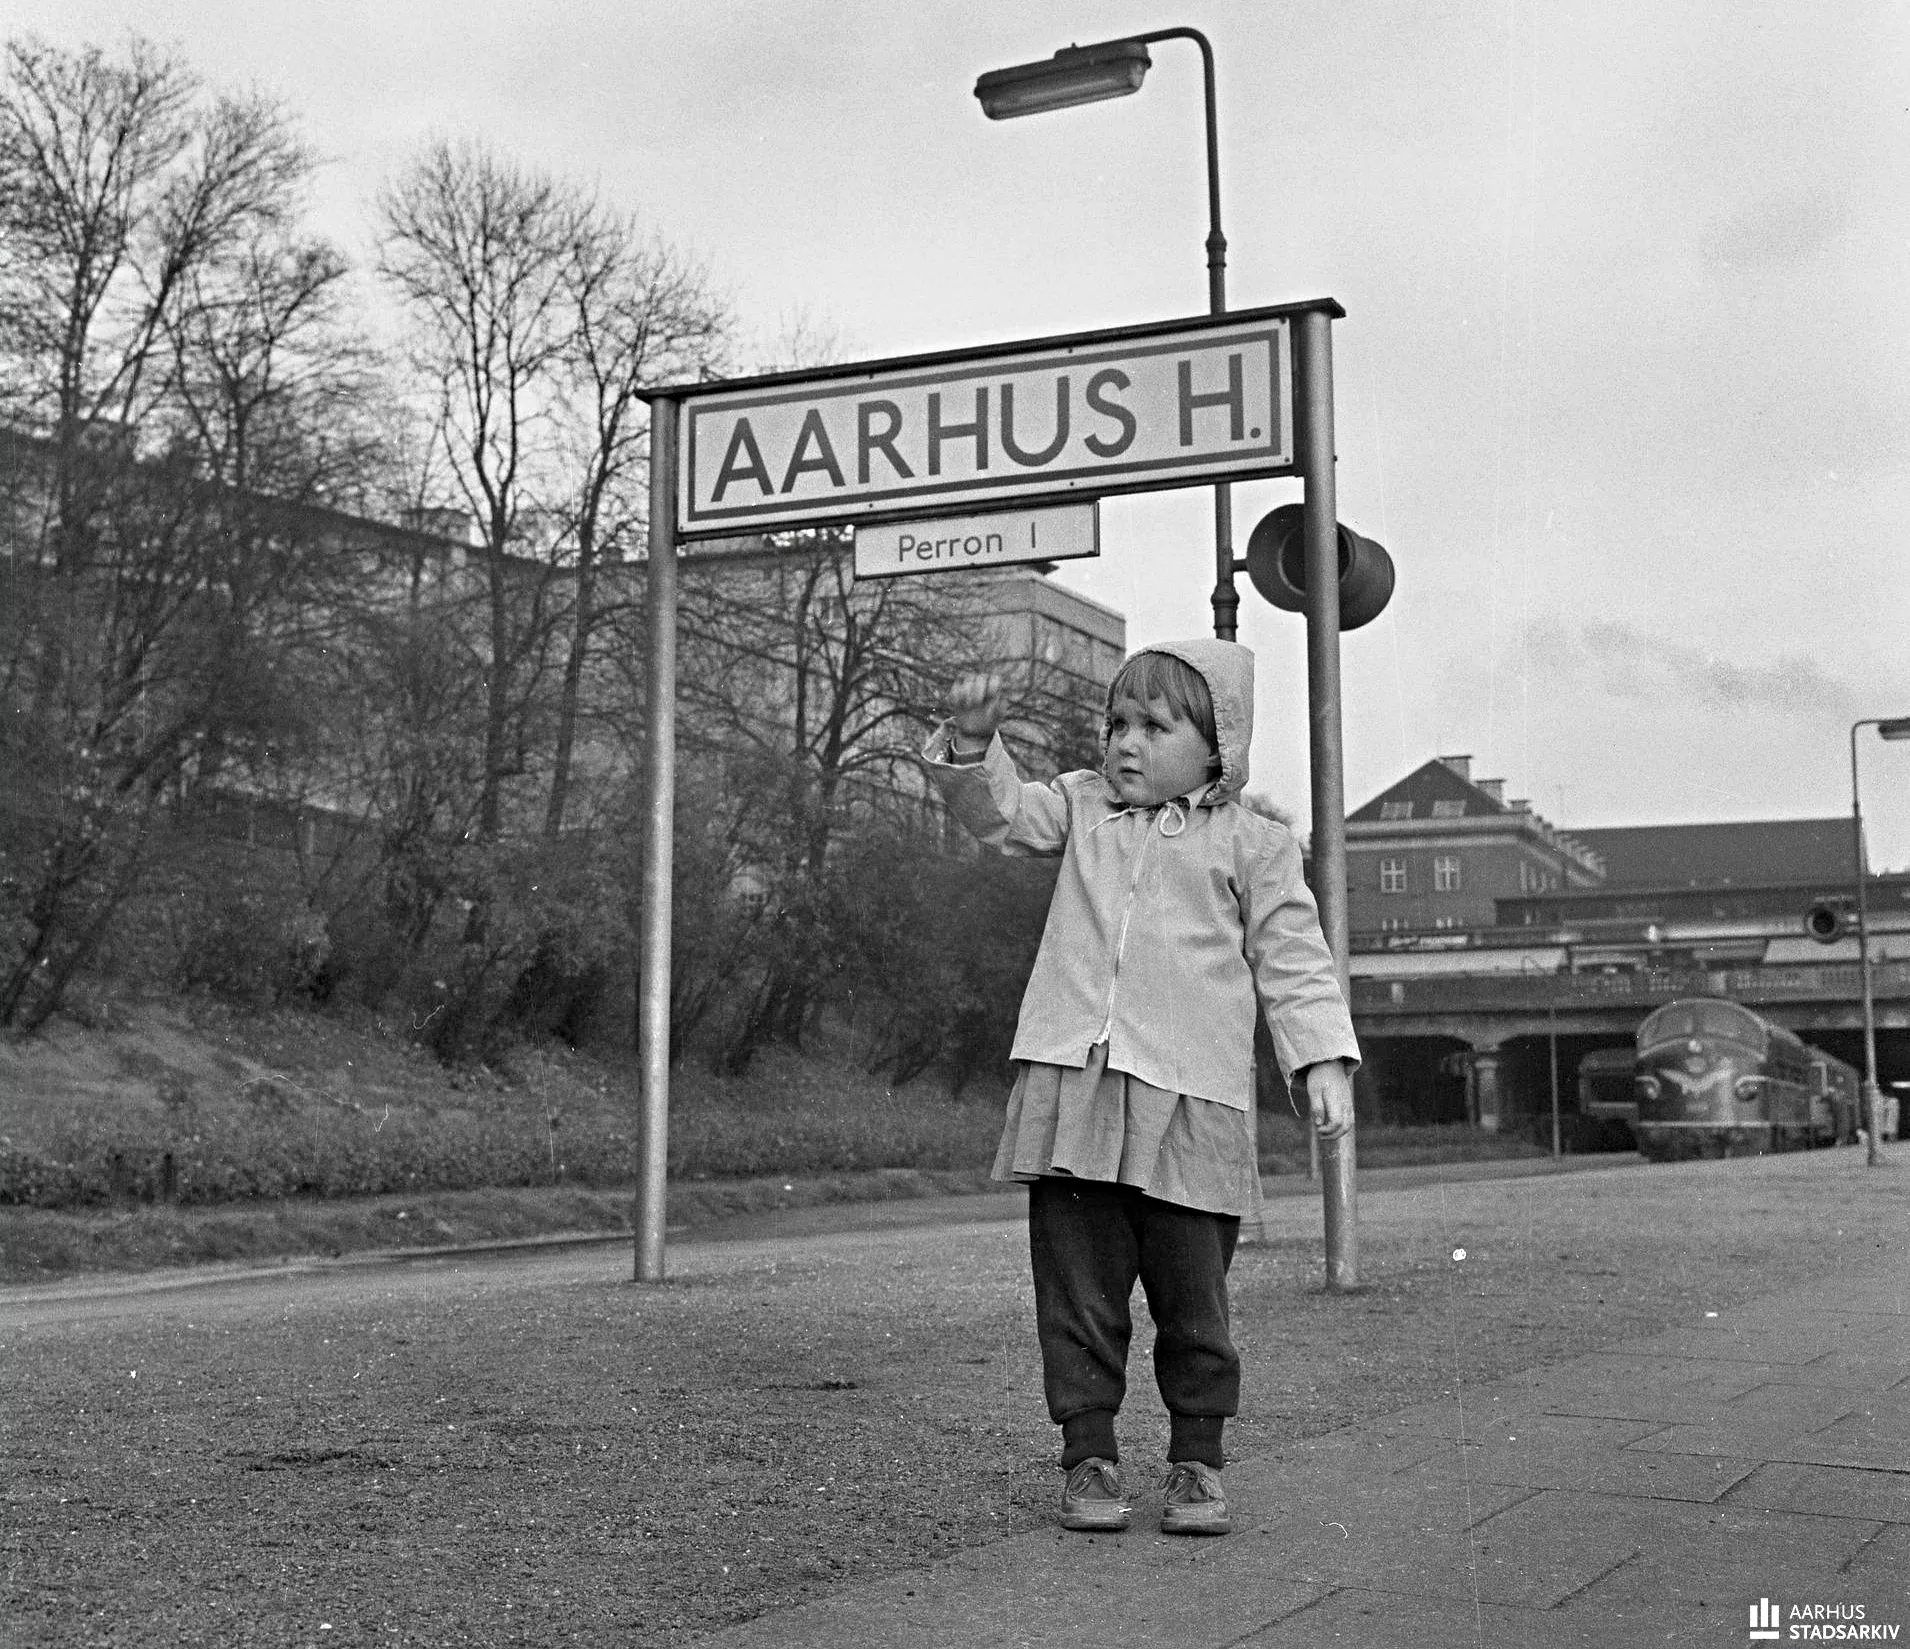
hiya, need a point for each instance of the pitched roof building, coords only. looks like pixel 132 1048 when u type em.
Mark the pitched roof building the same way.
pixel 1440 848
pixel 1442 861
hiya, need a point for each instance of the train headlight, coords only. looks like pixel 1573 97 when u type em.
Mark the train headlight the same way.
pixel 1647 1086
pixel 1748 1087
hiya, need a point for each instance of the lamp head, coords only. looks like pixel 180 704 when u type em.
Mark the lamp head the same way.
pixel 1075 74
pixel 1894 730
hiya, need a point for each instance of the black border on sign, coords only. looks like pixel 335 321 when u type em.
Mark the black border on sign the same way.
pixel 961 497
pixel 894 363
pixel 1274 457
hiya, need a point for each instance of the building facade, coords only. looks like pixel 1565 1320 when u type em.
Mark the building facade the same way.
pixel 1059 650
pixel 1438 850
pixel 1492 953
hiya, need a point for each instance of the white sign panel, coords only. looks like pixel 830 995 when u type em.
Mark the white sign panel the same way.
pixel 967 541
pixel 1143 408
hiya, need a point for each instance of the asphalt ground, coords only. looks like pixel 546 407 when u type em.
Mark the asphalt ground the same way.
pixel 835 1436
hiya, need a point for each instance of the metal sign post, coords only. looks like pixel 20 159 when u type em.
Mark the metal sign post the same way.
pixel 659 776
pixel 1313 419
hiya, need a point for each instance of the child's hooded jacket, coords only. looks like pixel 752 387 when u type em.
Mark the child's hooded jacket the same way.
pixel 1167 922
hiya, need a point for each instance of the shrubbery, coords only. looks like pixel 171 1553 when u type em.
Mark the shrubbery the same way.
pixel 547 1123
pixel 919 952
pixel 932 952
pixel 256 942
pixel 235 1159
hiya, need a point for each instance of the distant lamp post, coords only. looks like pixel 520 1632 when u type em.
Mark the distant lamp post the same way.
pixel 1091 74
pixel 1892 728
pixel 1552 1042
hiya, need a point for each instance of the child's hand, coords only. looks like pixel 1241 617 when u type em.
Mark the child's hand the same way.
pixel 976 706
pixel 1329 1090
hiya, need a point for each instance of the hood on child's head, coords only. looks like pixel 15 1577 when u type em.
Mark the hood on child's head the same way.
pixel 1227 668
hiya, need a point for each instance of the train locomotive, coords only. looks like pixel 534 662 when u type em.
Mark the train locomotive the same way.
pixel 1714 1079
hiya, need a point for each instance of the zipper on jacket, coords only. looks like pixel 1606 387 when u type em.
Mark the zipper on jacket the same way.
pixel 1120 943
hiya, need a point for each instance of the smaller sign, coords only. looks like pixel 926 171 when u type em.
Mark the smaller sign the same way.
pixel 998 539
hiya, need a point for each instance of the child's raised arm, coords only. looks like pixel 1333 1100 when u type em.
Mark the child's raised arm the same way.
pixel 978 778
pixel 977 704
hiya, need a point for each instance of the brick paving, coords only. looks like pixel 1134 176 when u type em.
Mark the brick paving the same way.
pixel 1651 1492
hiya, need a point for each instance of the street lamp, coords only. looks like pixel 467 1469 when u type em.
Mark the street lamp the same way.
pixel 1092 74
pixel 1073 76
pixel 1892 728
pixel 1552 1040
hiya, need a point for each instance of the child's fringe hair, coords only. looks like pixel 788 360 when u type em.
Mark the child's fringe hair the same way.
pixel 1152 677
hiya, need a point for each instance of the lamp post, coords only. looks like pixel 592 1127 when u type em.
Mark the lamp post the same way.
pixel 1891 728
pixel 1116 68
pixel 1092 74
pixel 1552 1042
pixel 1552 1037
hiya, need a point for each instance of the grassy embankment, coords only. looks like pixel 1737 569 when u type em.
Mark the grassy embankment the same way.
pixel 173 1134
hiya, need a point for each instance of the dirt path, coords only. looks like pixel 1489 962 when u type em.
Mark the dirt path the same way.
pixel 530 1449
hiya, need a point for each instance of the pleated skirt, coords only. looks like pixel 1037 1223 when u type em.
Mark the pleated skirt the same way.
pixel 1099 1124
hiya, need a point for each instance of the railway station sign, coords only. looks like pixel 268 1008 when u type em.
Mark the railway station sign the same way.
pixel 1170 404
pixel 952 543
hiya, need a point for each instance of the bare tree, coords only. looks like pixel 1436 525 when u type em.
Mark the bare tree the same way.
pixel 267 383
pixel 417 686
pixel 810 692
pixel 119 183
pixel 148 599
pixel 182 662
pixel 641 314
pixel 481 254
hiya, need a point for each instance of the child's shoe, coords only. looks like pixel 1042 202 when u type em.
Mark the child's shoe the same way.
pixel 1193 1500
pixel 1094 1500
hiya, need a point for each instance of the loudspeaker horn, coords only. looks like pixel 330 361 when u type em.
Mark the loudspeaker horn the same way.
pixel 1276 562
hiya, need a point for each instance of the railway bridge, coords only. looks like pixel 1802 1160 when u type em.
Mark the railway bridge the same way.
pixel 1494 1047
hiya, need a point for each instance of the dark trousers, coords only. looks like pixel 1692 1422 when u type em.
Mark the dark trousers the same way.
pixel 1089 1242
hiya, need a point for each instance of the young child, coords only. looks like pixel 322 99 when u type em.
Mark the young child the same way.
pixel 1130 1118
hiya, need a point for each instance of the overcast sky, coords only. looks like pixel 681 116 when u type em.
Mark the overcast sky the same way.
pixel 1624 382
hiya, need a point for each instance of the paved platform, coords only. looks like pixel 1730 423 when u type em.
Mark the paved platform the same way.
pixel 1653 1492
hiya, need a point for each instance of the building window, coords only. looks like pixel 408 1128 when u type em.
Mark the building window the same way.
pixel 1392 924
pixel 1449 810
pixel 1395 810
pixel 1446 873
pixel 1445 921
pixel 1392 876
